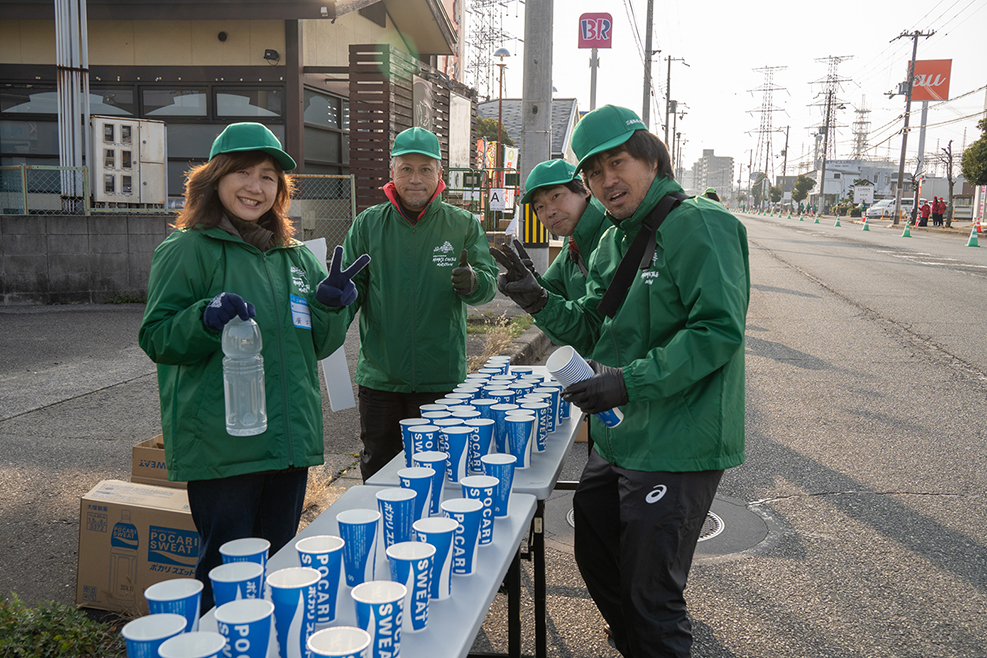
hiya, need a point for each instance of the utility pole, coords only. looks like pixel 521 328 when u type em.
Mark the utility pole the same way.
pixel 822 172
pixel 668 92
pixel 908 109
pixel 784 164
pixel 594 63
pixel 646 110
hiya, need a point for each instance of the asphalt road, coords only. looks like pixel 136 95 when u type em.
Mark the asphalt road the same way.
pixel 855 528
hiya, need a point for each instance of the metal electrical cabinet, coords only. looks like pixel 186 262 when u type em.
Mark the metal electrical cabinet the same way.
pixel 129 161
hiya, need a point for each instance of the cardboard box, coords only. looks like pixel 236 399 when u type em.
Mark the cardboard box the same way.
pixel 148 464
pixel 583 435
pixel 130 537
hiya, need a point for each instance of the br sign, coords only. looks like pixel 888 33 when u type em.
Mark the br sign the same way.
pixel 595 30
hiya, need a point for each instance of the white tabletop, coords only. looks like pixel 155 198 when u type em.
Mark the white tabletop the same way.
pixel 453 623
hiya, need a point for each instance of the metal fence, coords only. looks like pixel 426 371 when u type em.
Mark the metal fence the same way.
pixel 325 205
pixel 44 190
pixel 471 189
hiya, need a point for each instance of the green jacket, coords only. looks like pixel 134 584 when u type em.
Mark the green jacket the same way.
pixel 412 323
pixel 190 268
pixel 679 336
pixel 566 276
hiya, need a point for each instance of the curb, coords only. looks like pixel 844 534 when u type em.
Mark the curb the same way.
pixel 529 346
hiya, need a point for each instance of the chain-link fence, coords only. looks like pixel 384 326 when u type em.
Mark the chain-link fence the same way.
pixel 44 190
pixel 325 206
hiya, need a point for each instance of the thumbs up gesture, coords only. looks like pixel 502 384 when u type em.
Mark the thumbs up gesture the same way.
pixel 463 276
pixel 338 289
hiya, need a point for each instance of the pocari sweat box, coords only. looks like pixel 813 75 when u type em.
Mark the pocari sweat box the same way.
pixel 130 537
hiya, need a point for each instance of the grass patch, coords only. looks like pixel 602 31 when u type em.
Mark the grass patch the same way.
pixel 499 333
pixel 55 630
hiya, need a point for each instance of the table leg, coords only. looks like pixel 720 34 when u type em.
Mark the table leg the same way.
pixel 538 550
pixel 514 607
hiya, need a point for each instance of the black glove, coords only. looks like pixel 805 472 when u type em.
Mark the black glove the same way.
pixel 604 390
pixel 224 307
pixel 463 276
pixel 525 258
pixel 519 283
pixel 338 288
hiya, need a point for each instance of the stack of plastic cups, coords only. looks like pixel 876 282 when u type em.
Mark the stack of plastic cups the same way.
pixel 568 367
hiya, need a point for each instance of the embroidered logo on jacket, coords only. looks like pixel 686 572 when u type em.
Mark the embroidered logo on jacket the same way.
pixel 443 256
pixel 649 276
pixel 299 280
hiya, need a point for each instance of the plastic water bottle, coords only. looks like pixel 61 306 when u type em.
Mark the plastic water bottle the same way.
pixel 243 378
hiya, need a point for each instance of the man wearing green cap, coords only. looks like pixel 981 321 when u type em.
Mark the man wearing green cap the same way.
pixel 666 344
pixel 429 260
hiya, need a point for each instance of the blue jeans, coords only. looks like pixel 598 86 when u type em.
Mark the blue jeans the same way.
pixel 266 505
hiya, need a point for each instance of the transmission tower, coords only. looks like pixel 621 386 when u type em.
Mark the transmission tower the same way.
pixel 763 155
pixel 861 129
pixel 832 85
pixel 486 34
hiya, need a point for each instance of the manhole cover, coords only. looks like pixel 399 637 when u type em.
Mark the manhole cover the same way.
pixel 712 526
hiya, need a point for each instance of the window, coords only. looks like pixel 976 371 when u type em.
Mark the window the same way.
pixel 249 103
pixel 174 102
pixel 327 140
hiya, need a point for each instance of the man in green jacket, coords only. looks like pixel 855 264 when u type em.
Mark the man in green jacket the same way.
pixel 671 355
pixel 565 207
pixel 429 260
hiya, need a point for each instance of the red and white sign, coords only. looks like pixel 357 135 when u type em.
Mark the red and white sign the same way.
pixel 595 30
pixel 931 82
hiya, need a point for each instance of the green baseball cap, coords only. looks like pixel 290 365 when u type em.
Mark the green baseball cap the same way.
pixel 417 140
pixel 545 174
pixel 248 136
pixel 602 129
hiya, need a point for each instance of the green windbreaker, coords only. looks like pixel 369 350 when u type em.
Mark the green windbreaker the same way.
pixel 679 336
pixel 564 276
pixel 189 268
pixel 412 323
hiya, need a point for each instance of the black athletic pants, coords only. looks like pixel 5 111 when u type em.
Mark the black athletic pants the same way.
pixel 636 533
pixel 380 432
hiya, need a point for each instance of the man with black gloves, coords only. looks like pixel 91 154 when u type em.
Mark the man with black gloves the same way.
pixel 429 260
pixel 662 323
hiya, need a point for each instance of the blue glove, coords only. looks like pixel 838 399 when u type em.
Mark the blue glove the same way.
pixel 224 307
pixel 338 289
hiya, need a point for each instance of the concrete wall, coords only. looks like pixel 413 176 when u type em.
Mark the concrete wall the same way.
pixel 72 258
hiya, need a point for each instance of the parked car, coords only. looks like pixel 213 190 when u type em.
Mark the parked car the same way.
pixel 879 209
pixel 907 203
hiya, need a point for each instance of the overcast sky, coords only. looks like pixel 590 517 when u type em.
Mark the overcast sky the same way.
pixel 723 41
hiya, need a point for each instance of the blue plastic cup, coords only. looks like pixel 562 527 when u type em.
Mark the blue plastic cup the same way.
pixel 379 606
pixel 423 408
pixel 483 406
pixel 554 393
pixel 440 532
pixel 418 479
pixel 482 488
pixel 246 625
pixel 520 436
pixel 450 403
pixel 397 513
pixel 468 512
pixel 500 425
pixel 436 461
pixel 473 391
pixel 145 635
pixel 324 553
pixel 521 388
pixel 409 444
pixel 522 371
pixel 248 549
pixel 235 581
pixel 501 467
pixel 480 441
pixel 424 438
pixel 466 412
pixel 543 412
pixel 294 592
pixel 502 395
pixel 358 528
pixel 432 416
pixel 457 447
pixel 411 565
pixel 182 596
pixel 340 642
pixel 200 644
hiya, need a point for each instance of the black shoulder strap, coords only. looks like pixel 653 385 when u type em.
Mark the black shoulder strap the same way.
pixel 639 255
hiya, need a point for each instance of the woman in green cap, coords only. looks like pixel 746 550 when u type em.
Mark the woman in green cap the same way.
pixel 234 254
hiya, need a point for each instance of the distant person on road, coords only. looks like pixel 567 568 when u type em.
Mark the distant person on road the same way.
pixel 668 350
pixel 566 208
pixel 234 255
pixel 430 259
pixel 711 194
pixel 926 210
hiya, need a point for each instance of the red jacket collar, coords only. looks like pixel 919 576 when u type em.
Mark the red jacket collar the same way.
pixel 392 195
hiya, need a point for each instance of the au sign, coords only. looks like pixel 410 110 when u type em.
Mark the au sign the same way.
pixel 931 81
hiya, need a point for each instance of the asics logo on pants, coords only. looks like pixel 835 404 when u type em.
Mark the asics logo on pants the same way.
pixel 656 494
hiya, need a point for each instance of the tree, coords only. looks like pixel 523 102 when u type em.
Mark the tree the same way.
pixel 802 186
pixel 487 128
pixel 775 192
pixel 947 159
pixel 975 158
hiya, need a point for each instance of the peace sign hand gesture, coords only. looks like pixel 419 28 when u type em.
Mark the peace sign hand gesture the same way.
pixel 338 289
